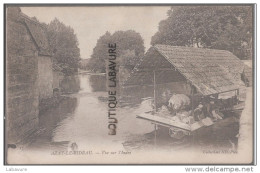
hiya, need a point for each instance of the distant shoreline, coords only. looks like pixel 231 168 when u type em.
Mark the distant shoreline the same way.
pixel 91 73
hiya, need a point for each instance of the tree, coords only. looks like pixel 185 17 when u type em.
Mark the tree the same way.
pixel 97 60
pixel 128 40
pixel 216 27
pixel 125 41
pixel 64 44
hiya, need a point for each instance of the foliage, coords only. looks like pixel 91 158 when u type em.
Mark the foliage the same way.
pixel 64 44
pixel 100 52
pixel 83 64
pixel 216 27
pixel 125 41
pixel 128 59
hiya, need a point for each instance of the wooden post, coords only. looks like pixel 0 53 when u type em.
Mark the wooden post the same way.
pixel 154 91
pixel 155 107
pixel 192 113
pixel 192 108
pixel 155 135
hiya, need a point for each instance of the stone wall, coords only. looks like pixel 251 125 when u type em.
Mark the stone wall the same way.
pixel 45 74
pixel 21 79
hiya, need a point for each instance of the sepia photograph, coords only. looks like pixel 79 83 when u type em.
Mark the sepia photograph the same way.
pixel 129 84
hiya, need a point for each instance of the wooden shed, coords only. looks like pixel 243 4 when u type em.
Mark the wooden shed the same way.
pixel 195 72
pixel 209 71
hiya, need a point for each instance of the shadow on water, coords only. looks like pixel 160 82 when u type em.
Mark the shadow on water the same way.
pixel 49 120
pixel 52 117
pixel 219 137
pixel 70 84
pixel 97 83
pixel 88 110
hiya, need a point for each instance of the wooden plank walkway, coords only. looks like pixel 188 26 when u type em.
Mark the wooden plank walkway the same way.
pixel 171 123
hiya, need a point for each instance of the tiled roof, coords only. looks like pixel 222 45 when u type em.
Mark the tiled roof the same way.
pixel 210 71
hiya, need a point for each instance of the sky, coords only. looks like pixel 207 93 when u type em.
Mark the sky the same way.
pixel 89 23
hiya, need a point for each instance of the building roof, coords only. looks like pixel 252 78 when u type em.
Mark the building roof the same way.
pixel 210 71
pixel 39 35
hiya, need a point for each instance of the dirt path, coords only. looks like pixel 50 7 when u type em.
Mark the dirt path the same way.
pixel 245 140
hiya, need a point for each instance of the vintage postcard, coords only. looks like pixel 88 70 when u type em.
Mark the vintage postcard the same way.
pixel 129 84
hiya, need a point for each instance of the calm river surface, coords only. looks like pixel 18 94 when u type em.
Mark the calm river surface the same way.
pixel 81 119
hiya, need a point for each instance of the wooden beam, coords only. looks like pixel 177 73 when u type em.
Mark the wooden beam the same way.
pixel 154 90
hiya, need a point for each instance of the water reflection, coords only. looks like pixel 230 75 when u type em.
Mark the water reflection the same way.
pixel 50 119
pixel 88 126
pixel 70 84
pixel 97 82
pixel 81 119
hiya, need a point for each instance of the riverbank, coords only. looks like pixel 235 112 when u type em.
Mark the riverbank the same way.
pixel 246 126
pixel 80 120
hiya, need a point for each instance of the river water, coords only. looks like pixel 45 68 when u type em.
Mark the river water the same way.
pixel 81 119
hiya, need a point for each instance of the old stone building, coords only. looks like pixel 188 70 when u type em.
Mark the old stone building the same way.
pixel 29 75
